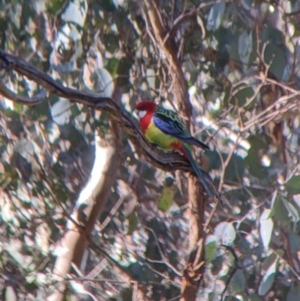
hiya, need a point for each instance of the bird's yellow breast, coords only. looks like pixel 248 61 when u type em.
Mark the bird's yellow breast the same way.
pixel 155 136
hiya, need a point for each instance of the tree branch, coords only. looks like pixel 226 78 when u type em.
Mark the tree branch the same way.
pixel 195 268
pixel 36 99
pixel 165 161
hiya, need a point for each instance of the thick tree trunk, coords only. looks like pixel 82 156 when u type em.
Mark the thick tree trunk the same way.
pixel 75 240
pixel 94 197
pixel 194 268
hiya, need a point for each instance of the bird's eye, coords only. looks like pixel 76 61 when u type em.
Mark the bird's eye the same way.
pixel 142 114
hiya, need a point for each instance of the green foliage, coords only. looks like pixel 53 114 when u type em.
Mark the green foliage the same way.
pixel 211 247
pixel 244 93
pixel 294 294
pixel 133 223
pixel 238 282
pixel 293 185
pixel 230 53
pixel 166 199
pixel 269 277
pixel 107 5
pixel 235 169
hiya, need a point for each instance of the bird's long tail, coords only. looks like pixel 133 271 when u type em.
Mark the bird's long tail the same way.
pixel 198 171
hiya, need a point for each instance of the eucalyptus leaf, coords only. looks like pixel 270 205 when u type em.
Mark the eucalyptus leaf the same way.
pixel 238 281
pixel 253 162
pixel 9 294
pixel 225 232
pixel 75 12
pixel 293 185
pixel 235 169
pixel 292 211
pixel 60 111
pixel 215 16
pixel 211 247
pixel 266 228
pixel 279 210
pixel 276 58
pixel 267 280
pixel 133 223
pixel 103 82
pixel 294 241
pixel 245 45
pixel 244 93
pixel 293 294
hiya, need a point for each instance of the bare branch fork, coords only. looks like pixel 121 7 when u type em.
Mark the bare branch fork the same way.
pixel 167 162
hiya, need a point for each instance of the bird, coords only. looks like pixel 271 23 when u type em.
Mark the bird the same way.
pixel 165 129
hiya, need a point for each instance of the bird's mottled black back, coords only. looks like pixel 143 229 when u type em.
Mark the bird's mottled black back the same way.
pixel 173 119
pixel 170 123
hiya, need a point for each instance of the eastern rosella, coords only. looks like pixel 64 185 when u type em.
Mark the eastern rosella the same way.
pixel 165 129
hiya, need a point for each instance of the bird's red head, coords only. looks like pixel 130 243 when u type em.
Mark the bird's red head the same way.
pixel 145 111
pixel 145 105
pixel 144 108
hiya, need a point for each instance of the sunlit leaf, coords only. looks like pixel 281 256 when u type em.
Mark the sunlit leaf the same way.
pixel 60 112
pixel 268 279
pixel 75 12
pixel 167 196
pixel 9 294
pixel 266 227
pixel 78 287
pixel 112 66
pixel 225 232
pixel 292 211
pixel 211 247
pixel 102 82
pixel 42 238
pixel 151 78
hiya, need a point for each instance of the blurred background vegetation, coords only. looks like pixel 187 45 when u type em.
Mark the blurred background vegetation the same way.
pixel 240 61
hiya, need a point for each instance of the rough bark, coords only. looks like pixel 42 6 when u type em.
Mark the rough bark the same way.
pixel 194 267
pixel 76 239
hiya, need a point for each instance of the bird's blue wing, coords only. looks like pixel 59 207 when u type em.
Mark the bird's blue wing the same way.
pixel 169 123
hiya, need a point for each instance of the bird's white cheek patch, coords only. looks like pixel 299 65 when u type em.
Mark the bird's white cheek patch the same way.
pixel 142 114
